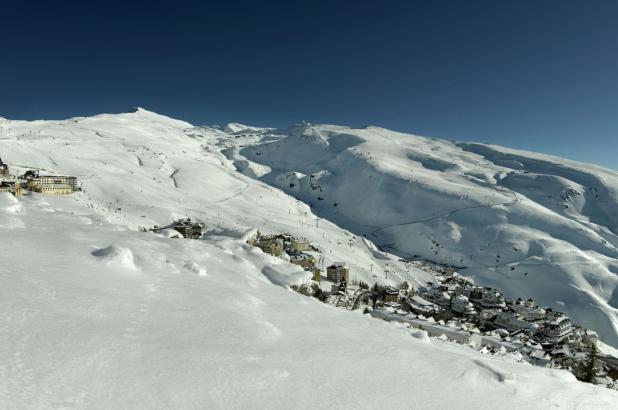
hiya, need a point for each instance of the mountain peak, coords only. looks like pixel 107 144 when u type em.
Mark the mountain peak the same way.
pixel 236 127
pixel 134 109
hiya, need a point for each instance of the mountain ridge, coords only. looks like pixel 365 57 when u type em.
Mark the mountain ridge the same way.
pixel 465 204
pixel 91 299
pixel 432 191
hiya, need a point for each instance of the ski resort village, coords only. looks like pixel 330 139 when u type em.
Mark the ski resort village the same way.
pixel 453 308
pixel 150 263
pixel 33 181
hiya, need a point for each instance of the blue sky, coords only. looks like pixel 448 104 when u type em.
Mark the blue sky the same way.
pixel 538 75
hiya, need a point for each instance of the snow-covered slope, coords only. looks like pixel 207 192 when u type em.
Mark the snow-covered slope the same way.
pixel 96 314
pixel 142 169
pixel 237 128
pixel 530 224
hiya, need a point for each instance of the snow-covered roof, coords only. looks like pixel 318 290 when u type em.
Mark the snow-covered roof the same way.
pixel 391 290
pixel 339 265
pixel 417 300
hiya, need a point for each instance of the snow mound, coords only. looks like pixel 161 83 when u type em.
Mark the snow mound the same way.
pixel 421 335
pixel 9 204
pixel 116 256
pixel 170 233
pixel 282 277
pixel 248 234
pixel 195 268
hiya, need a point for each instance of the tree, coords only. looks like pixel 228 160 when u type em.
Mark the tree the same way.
pixel 318 293
pixel 589 370
pixel 375 293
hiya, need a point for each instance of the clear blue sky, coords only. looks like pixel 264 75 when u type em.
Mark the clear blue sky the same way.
pixel 540 75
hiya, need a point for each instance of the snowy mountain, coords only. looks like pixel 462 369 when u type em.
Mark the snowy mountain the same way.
pixel 97 314
pixel 527 223
pixel 237 128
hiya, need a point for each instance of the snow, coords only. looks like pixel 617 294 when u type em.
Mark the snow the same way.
pixel 278 275
pixel 170 233
pixel 9 204
pixel 531 224
pixel 97 314
pixel 237 128
pixel 116 256
pixel 195 268
pixel 9 207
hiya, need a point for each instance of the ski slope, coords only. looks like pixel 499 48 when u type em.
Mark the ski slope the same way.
pixel 96 314
pixel 530 224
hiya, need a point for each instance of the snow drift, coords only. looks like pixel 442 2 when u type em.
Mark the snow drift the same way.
pixel 116 256
pixel 9 204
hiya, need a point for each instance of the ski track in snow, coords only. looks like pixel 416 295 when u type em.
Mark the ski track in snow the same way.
pixel 447 214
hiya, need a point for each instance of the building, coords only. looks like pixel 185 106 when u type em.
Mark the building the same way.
pixel 270 244
pixel 486 316
pixel 456 279
pixel 556 329
pixel 528 310
pixel 30 174
pixel 278 244
pixel 539 357
pixel 14 187
pixel 189 229
pixel 486 298
pixel 390 295
pixel 4 169
pixel 438 294
pixel 317 275
pixel 303 259
pixel 421 306
pixel 51 184
pixel 460 304
pixel 514 322
pixel 254 239
pixel 590 337
pixel 337 272
pixel 300 244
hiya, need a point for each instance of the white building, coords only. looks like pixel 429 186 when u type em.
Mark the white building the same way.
pixel 487 298
pixel 460 304
pixel 514 322
pixel 438 294
pixel 528 310
pixel 53 184
pixel 421 306
pixel 487 315
pixel 556 329
pixel 337 272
